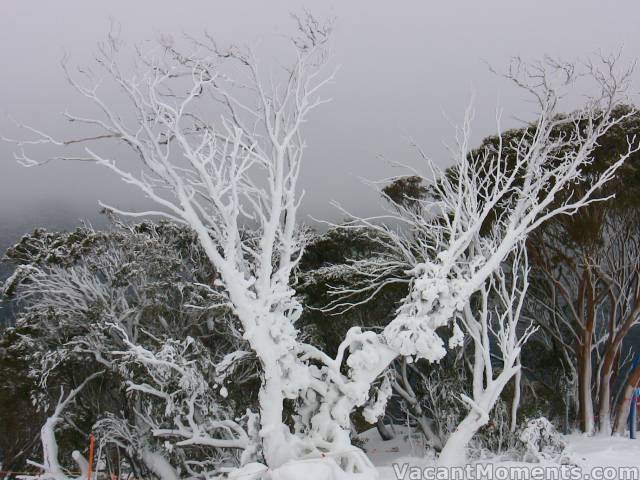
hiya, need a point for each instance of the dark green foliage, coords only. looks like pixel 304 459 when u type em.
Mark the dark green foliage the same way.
pixel 405 191
pixel 322 271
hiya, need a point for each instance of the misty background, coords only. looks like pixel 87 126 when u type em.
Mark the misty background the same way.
pixel 406 70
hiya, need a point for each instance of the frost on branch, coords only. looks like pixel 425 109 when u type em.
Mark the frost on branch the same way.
pixel 134 303
pixel 51 465
pixel 179 374
pixel 433 301
pixel 217 143
pixel 541 441
pixel 376 408
pixel 449 242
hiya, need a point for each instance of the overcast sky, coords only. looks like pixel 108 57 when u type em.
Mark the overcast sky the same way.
pixel 405 67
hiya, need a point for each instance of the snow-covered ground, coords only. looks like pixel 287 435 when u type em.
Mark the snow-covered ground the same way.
pixel 585 457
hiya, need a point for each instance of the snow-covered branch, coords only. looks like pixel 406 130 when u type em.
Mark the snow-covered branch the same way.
pixel 51 464
pixel 475 215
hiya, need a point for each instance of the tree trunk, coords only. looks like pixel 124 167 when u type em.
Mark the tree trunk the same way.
pixel 454 452
pixel 585 375
pixel 429 433
pixel 604 408
pixel 610 359
pixel 273 432
pixel 383 430
pixel 516 399
pixel 275 435
pixel 408 394
pixel 622 411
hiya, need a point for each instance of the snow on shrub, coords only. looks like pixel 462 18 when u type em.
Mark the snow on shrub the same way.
pixel 541 441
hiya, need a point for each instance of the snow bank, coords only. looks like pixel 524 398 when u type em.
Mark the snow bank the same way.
pixel 582 452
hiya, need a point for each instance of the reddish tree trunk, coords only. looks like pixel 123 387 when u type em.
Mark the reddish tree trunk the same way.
pixel 622 411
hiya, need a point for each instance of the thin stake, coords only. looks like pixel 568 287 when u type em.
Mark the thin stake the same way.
pixel 92 443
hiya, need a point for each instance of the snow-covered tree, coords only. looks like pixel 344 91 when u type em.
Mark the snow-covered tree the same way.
pixel 451 243
pixel 496 332
pixel 219 145
pixel 132 302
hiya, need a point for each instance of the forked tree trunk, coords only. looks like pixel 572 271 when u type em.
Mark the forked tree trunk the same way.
pixel 610 359
pixel 454 452
pixel 406 392
pixel 274 433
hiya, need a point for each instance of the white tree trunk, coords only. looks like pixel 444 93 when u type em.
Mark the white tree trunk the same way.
pixel 586 402
pixel 51 464
pixel 454 452
pixel 604 414
pixel 159 465
pixel 516 400
pixel 274 433
pixel 50 448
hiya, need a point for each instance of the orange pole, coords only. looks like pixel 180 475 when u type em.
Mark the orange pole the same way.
pixel 92 443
